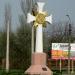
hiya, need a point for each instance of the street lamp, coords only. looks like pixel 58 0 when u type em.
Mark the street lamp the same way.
pixel 69 46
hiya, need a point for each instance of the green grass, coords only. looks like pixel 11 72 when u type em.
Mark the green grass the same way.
pixel 21 72
pixel 12 72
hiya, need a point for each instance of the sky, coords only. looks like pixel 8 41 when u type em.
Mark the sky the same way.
pixel 15 9
pixel 58 8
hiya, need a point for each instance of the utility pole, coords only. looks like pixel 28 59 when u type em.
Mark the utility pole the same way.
pixel 32 43
pixel 8 30
pixel 34 13
pixel 69 46
pixel 7 50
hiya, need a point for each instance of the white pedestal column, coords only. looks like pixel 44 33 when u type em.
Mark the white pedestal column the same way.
pixel 39 39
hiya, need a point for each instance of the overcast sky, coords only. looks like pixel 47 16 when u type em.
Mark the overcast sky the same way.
pixel 58 8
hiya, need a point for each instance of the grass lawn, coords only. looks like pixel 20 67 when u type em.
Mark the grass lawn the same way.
pixel 63 72
pixel 21 72
pixel 12 72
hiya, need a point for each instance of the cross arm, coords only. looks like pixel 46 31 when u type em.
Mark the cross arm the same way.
pixel 49 19
pixel 30 18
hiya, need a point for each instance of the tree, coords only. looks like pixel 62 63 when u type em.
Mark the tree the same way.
pixel 22 48
pixel 2 44
pixel 58 33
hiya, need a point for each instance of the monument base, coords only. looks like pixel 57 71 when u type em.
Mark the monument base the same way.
pixel 38 65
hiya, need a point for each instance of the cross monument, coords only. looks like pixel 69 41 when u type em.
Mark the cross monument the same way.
pixel 38 65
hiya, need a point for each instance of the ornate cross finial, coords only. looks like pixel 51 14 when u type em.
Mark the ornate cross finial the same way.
pixel 39 20
pixel 41 16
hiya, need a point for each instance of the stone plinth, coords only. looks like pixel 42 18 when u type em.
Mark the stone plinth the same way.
pixel 38 65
